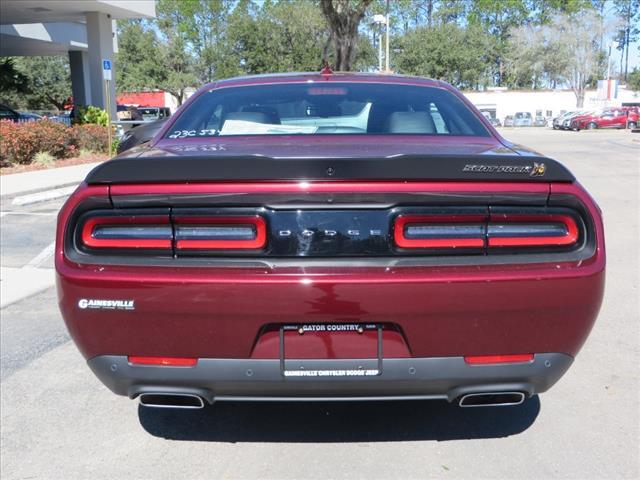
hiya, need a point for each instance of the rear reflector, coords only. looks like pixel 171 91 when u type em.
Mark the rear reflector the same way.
pixel 153 231
pixel 163 361
pixel 439 231
pixel 489 359
pixel 220 233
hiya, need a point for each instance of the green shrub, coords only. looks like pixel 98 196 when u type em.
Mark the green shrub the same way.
pixel 91 115
pixel 94 138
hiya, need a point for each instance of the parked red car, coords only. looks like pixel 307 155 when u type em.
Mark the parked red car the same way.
pixel 623 117
pixel 329 236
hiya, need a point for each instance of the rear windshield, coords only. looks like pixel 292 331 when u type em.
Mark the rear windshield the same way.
pixel 338 108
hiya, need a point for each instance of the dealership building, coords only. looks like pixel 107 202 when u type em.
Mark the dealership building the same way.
pixel 500 102
pixel 84 30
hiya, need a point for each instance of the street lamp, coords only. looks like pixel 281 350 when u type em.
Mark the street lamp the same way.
pixel 379 20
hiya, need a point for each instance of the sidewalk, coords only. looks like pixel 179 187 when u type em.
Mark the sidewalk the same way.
pixel 39 180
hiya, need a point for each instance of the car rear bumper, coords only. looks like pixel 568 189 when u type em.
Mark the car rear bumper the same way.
pixel 446 378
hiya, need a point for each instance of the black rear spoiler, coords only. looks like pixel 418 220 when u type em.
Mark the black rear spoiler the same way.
pixel 397 168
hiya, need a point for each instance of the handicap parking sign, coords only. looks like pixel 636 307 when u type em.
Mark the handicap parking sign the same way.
pixel 106 69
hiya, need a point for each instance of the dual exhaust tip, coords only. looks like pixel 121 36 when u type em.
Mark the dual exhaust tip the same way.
pixel 171 400
pixel 191 401
pixel 491 399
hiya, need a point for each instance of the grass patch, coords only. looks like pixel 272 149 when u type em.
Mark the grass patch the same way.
pixel 44 159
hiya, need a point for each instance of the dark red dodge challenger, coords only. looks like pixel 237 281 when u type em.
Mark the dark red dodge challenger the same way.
pixel 329 236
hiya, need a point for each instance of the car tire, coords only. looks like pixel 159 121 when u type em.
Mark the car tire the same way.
pixel 592 126
pixel 632 125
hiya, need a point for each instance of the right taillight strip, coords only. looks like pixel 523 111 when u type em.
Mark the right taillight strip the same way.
pixel 439 231
pixel 242 232
pixel 515 230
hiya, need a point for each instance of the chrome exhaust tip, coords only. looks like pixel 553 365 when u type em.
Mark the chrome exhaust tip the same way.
pixel 491 399
pixel 171 400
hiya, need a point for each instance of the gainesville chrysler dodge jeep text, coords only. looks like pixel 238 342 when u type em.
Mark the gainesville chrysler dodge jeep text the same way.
pixel 329 236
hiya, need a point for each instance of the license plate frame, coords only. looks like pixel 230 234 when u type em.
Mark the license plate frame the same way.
pixel 339 368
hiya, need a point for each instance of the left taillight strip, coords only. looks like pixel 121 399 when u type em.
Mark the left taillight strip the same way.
pixel 160 232
pixel 137 231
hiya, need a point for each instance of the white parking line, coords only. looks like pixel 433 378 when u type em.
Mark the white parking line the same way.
pixel 19 283
pixel 43 196
pixel 36 214
pixel 42 256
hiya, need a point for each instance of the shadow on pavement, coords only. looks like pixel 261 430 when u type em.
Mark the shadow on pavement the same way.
pixel 338 422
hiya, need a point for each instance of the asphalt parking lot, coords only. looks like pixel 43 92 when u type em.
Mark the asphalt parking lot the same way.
pixel 58 421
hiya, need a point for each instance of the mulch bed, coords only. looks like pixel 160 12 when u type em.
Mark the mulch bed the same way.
pixel 66 162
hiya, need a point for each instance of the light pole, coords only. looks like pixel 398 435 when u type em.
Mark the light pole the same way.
pixel 611 45
pixel 386 57
pixel 378 21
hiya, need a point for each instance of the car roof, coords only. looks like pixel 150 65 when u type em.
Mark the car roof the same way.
pixel 301 77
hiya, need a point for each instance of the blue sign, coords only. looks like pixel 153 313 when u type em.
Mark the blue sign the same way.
pixel 106 69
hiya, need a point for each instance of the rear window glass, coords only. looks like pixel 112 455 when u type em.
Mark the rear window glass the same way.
pixel 335 109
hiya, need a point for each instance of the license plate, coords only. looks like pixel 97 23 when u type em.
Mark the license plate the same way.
pixel 331 350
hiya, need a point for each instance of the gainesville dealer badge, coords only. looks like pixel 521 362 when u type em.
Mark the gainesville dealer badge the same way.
pixel 101 304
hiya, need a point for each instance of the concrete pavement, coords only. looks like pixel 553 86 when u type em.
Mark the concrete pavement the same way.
pixel 58 421
pixel 20 183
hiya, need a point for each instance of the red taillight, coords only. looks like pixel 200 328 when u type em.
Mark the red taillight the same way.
pixel 515 230
pixel 163 361
pixel 153 231
pixel 439 231
pixel 220 233
pixel 477 231
pixel 158 232
pixel 496 359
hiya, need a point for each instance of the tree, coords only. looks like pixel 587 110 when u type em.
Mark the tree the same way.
pixel 343 18
pixel 531 61
pixel 629 13
pixel 148 60
pixel 499 17
pixel 11 79
pixel 568 49
pixel 43 82
pixel 139 62
pixel 634 80
pixel 446 52
pixel 278 37
pixel 202 26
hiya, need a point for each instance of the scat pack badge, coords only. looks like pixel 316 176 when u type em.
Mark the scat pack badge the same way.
pixel 535 170
pixel 538 169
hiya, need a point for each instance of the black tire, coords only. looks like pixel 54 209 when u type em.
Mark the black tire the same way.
pixel 592 126
pixel 632 125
